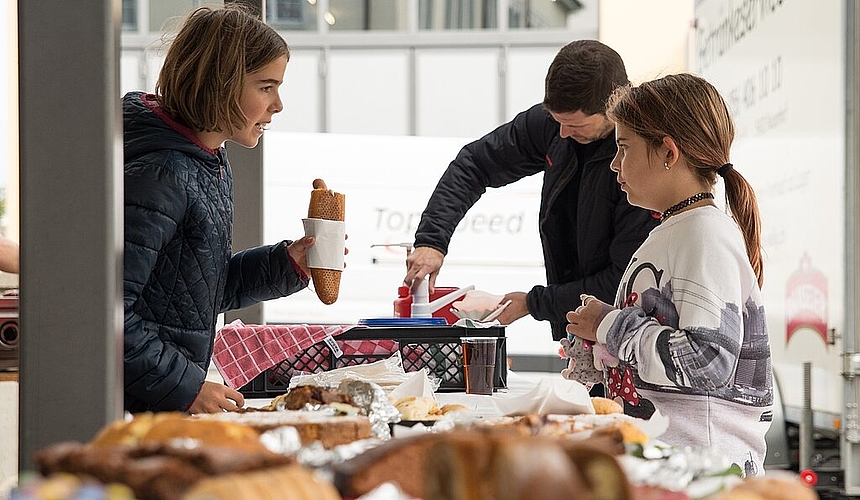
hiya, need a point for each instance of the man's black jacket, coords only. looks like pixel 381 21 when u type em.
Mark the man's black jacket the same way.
pixel 585 256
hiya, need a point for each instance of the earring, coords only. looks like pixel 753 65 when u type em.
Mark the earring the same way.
pixel 666 164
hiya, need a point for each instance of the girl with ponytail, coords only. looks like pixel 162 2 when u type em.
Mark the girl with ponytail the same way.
pixel 687 334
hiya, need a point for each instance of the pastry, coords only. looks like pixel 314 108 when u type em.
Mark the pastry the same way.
pixel 480 463
pixel 527 468
pixel 600 471
pixel 773 486
pixel 293 482
pixel 455 467
pixel 424 408
pixel 400 461
pixel 330 430
pixel 231 435
pixel 129 431
pixel 328 205
pixel 153 470
pixel 415 407
pixel 155 428
pixel 605 406
pixel 451 407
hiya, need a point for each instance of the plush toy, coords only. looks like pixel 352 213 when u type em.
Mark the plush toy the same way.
pixel 582 365
pixel 602 357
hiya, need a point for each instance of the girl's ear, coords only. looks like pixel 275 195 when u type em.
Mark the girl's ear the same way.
pixel 670 151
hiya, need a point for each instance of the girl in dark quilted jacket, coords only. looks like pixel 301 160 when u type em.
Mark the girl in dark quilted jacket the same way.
pixel 219 83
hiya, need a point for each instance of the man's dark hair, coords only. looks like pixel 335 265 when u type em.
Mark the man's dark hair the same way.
pixel 582 76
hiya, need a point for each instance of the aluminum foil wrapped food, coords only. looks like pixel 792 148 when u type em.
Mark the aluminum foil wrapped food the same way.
pixel 327 205
pixel 284 440
pixel 681 469
pixel 372 399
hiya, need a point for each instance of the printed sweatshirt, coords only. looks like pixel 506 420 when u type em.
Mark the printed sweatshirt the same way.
pixel 691 338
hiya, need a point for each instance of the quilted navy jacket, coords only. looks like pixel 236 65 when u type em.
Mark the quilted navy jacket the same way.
pixel 588 234
pixel 179 272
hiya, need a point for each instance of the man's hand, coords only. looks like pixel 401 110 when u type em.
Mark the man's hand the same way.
pixel 216 398
pixel 517 309
pixel 421 262
pixel 587 317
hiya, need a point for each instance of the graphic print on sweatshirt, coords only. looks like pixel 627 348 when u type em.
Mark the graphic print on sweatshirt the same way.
pixel 710 356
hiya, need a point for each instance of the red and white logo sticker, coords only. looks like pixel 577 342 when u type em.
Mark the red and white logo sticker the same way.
pixel 806 301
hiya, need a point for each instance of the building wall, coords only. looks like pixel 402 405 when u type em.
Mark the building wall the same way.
pixel 651 36
pixel 9 117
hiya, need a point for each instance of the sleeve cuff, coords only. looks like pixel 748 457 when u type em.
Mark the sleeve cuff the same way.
pixel 605 323
pixel 299 271
pixel 296 267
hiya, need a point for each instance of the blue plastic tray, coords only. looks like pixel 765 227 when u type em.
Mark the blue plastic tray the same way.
pixel 402 321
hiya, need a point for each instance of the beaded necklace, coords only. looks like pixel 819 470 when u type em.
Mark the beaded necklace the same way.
pixel 684 204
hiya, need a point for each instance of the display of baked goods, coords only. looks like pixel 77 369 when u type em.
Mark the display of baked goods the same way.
pixel 329 205
pixel 605 455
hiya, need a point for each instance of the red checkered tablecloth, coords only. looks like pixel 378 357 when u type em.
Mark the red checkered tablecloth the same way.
pixel 241 352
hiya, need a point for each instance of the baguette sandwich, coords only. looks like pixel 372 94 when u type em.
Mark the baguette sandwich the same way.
pixel 328 205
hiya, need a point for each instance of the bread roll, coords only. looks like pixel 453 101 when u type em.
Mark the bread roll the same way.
pixel 328 205
pixel 129 432
pixel 773 486
pixel 605 406
pixel 527 468
pixel 152 428
pixel 208 432
pixel 476 466
pixel 416 408
pixel 400 461
pixel 601 472
pixel 293 482
pixel 329 430
pixel 452 407
pixel 456 467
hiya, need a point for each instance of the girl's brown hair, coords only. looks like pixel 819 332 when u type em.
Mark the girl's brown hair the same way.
pixel 201 81
pixel 691 111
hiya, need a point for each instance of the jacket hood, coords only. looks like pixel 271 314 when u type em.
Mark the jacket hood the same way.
pixel 146 128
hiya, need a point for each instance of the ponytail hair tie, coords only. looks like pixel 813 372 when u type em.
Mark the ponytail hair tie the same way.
pixel 724 169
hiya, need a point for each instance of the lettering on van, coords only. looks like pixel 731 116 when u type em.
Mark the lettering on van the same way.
pixel 480 223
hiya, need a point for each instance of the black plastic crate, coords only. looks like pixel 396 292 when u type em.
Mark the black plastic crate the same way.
pixel 436 348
